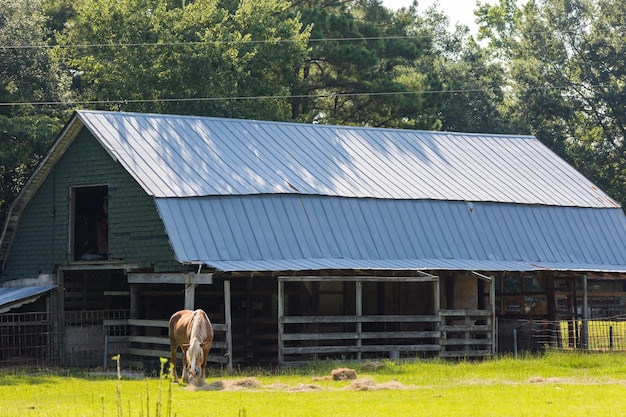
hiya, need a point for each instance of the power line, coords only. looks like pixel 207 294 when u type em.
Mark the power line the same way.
pixel 272 97
pixel 200 43
pixel 231 98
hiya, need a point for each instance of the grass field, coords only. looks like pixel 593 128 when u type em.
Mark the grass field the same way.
pixel 555 384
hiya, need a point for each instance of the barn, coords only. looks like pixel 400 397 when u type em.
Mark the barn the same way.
pixel 303 242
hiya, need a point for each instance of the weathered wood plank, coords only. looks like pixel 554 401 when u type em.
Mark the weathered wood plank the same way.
pixel 148 323
pixel 466 342
pixel 465 313
pixel 365 335
pixel 355 349
pixel 155 353
pixel 474 328
pixel 149 339
pixel 359 319
pixel 155 278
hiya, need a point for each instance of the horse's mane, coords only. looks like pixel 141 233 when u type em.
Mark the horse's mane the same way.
pixel 198 330
pixel 194 351
pixel 198 335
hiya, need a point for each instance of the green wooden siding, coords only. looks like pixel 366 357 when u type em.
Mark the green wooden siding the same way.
pixel 136 233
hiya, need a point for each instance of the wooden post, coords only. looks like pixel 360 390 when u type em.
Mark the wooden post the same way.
pixel 229 324
pixel 492 308
pixel 359 313
pixel 437 308
pixel 281 313
pixel 190 295
pixel 554 326
pixel 58 323
pixel 585 326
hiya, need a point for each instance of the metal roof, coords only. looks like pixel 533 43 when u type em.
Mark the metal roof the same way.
pixel 289 232
pixel 13 297
pixel 243 195
pixel 185 156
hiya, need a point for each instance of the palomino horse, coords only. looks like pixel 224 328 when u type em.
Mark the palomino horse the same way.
pixel 192 331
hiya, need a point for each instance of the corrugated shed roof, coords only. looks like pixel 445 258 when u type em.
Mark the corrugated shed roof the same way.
pixel 184 156
pixel 13 297
pixel 288 232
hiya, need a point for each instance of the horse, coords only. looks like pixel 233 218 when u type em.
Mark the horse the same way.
pixel 192 331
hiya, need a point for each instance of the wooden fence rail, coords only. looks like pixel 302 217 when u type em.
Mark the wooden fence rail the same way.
pixel 467 333
pixel 306 338
pixel 450 334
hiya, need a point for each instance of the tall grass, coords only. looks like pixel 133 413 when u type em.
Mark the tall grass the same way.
pixel 554 384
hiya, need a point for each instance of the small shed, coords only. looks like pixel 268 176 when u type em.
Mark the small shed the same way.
pixel 309 241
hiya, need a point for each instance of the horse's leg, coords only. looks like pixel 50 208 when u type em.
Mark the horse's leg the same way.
pixel 185 375
pixel 173 349
pixel 202 373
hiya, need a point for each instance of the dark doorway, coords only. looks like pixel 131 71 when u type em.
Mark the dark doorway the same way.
pixel 91 223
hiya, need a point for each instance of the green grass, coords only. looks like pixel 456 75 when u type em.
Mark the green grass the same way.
pixel 555 384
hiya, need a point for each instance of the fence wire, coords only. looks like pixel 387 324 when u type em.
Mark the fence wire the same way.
pixel 32 339
pixel 598 334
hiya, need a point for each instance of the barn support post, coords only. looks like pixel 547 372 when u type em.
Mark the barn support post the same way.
pixel 492 309
pixel 585 315
pixel 229 325
pixel 437 296
pixel 59 322
pixel 190 295
pixel 491 320
pixel 437 304
pixel 359 313
pixel 281 316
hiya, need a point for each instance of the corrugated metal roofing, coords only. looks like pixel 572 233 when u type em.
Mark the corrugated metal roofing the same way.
pixel 184 156
pixel 13 297
pixel 289 232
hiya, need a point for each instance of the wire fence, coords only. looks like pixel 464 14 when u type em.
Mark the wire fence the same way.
pixel 33 339
pixel 598 334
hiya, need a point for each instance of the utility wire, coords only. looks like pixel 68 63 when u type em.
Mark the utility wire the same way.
pixel 195 43
pixel 271 97
pixel 233 98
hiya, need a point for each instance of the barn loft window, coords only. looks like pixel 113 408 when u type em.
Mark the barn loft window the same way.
pixel 90 223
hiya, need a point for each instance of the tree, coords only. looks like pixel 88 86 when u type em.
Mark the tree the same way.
pixel 184 57
pixel 362 68
pixel 473 98
pixel 27 73
pixel 567 79
pixel 28 77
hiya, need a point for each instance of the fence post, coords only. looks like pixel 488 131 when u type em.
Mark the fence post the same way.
pixel 106 348
pixel 229 325
pixel 515 343
pixel 585 315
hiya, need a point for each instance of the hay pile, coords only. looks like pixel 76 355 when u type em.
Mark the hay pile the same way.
pixel 368 384
pixel 237 384
pixel 372 365
pixel 342 374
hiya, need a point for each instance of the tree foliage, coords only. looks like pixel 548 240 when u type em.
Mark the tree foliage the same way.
pixel 27 75
pixel 175 57
pixel 360 50
pixel 565 61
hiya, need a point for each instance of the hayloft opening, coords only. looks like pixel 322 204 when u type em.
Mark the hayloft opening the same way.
pixel 90 223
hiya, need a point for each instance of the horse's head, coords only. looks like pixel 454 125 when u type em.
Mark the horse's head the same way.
pixel 195 357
